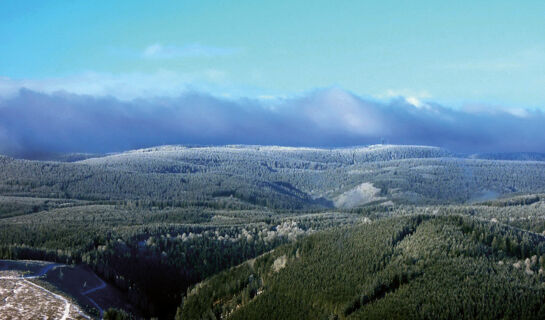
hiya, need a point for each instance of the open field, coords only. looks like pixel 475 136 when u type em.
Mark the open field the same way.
pixel 22 298
pixel 36 289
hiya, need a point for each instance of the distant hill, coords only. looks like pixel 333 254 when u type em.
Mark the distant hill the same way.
pixel 277 177
pixel 337 155
pixel 59 157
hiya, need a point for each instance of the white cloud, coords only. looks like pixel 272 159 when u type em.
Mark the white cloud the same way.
pixel 271 97
pixel 517 112
pixel 153 50
pixel 160 51
pixel 125 86
pixel 411 97
pixel 323 117
pixel 397 93
pixel 333 108
pixel 496 110
pixel 414 101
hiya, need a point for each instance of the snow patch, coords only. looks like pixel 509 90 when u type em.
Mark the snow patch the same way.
pixel 360 195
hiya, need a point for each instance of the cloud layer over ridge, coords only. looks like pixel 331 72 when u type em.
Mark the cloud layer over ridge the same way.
pixel 33 123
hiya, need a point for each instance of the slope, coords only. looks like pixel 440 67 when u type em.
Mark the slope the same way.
pixel 439 267
pixel 276 177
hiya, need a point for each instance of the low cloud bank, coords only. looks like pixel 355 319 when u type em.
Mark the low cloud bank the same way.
pixel 33 123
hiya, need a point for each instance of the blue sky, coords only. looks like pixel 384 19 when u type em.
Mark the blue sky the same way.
pixel 486 53
pixel 106 76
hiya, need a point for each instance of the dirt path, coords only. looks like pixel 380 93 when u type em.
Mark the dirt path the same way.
pixel 44 270
pixel 99 287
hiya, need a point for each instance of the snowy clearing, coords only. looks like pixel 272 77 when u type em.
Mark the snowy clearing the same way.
pixel 20 298
pixel 360 195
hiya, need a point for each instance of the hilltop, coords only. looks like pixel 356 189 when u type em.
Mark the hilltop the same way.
pixel 277 177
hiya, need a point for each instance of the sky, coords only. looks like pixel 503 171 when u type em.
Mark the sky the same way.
pixel 468 57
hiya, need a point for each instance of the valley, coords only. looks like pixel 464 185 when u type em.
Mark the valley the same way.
pixel 238 231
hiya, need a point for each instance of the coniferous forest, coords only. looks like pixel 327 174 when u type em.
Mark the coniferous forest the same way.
pixel 253 232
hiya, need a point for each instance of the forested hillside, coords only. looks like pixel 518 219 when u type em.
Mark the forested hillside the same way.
pixel 275 177
pixel 418 267
pixel 376 222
